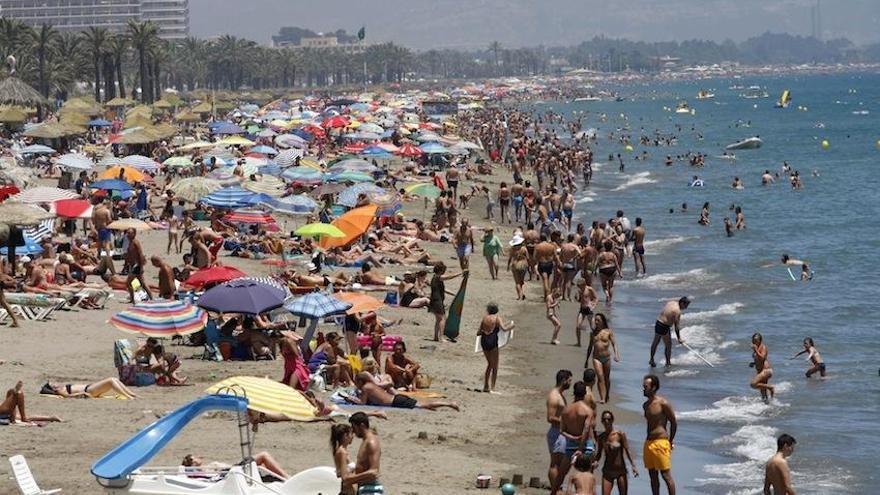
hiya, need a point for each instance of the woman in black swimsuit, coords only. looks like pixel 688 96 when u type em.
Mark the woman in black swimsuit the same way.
pixel 490 326
pixel 91 390
pixel 613 445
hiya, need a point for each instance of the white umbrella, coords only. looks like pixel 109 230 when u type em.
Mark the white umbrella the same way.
pixel 141 162
pixel 75 160
pixel 43 194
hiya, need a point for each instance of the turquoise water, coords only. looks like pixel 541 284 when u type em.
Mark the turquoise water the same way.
pixel 831 223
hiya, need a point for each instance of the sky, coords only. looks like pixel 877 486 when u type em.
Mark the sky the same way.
pixel 463 24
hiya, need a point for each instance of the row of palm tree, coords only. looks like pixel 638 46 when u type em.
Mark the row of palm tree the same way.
pixel 138 59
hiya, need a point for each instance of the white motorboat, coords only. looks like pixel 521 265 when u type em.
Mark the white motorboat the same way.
pixel 746 144
pixel 682 107
pixel 121 471
pixel 755 92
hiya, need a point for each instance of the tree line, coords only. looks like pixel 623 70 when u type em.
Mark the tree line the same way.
pixel 138 64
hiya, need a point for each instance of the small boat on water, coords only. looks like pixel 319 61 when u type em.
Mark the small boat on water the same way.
pixel 682 107
pixel 784 100
pixel 705 95
pixel 746 144
pixel 588 98
pixel 120 471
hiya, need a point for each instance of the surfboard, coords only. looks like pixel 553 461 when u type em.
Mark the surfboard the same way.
pixel 791 274
pixel 504 338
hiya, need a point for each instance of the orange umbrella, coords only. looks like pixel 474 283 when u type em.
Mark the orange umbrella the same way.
pixel 354 224
pixel 132 174
pixel 360 302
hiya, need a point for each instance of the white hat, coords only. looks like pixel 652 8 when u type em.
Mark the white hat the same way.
pixel 312 267
pixel 25 259
pixel 517 240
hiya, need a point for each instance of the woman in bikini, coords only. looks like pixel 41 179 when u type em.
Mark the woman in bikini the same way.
pixel 341 437
pixel 490 326
pixel 504 202
pixel 88 391
pixel 613 445
pixel 761 363
pixel 818 365
pixel 518 264
pixel 609 268
pixel 602 343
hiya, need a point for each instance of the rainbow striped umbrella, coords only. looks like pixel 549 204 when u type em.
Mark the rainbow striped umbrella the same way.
pixel 163 319
pixel 250 216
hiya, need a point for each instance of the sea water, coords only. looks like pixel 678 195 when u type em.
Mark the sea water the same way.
pixel 832 223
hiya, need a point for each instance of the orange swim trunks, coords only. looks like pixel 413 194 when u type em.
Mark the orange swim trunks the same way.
pixel 658 454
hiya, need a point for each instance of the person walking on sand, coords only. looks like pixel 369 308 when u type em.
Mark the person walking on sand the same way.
pixel 136 261
pixel 555 404
pixel 588 298
pixel 777 475
pixel 660 441
pixel 669 317
pixel 576 424
pixel 492 250
pixel 547 261
pixel 464 243
pixel 761 363
pixel 602 343
pixel 490 326
pixel 818 365
pixel 551 302
pixel 612 443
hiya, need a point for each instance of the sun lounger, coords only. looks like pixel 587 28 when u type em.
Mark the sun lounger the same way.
pixel 36 307
pixel 95 297
pixel 25 479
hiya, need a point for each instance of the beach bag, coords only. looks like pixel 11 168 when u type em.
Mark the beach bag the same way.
pixel 122 353
pixel 391 298
pixel 424 381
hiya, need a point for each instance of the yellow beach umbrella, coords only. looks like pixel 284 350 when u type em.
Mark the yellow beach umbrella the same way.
pixel 267 396
pixel 236 141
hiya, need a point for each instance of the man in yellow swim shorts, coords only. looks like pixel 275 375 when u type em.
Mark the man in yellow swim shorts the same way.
pixel 659 444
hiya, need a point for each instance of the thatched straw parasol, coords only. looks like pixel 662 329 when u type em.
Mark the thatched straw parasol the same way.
pixel 54 130
pixel 13 115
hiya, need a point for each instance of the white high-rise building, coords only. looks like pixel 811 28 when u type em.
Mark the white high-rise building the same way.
pixel 172 16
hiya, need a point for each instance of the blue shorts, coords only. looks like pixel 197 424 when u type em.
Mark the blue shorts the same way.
pixel 552 436
pixel 463 251
pixel 104 234
pixel 567 212
pixel 568 446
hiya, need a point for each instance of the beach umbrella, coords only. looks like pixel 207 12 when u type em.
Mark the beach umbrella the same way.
pixel 13 115
pixel 315 306
pixel 326 189
pixel 38 149
pixel 389 147
pixel 409 150
pixel 130 174
pixel 267 396
pixel 141 162
pixel 287 158
pixel 72 208
pixel 99 123
pixel 43 194
pixel 75 160
pixel 242 296
pixel 291 141
pixel 119 102
pixel 267 133
pixel 468 145
pixel 423 189
pixel 12 213
pixel 319 230
pixel 387 204
pixel 268 185
pixel 224 128
pixel 349 176
pixel 353 224
pixel 193 189
pixel 300 204
pixel 375 152
pixel 360 302
pixel 336 122
pixel 14 91
pixel 250 217
pixel 372 128
pixel 349 197
pixel 129 223
pixel 196 145
pixel 111 185
pixel 178 161
pixel 236 141
pixel 263 149
pixel 354 165
pixel 227 197
pixel 434 148
pixel 213 275
pixel 304 175
pixel 161 319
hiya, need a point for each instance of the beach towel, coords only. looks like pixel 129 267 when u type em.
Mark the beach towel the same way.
pixel 453 319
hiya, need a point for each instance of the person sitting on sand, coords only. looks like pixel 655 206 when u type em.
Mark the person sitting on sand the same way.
pixel 384 380
pixel 167 365
pixel 372 394
pixel 402 368
pixel 333 359
pixel 90 390
pixel 12 408
pixel 263 460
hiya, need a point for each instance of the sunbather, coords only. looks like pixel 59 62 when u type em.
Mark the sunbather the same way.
pixel 88 391
pixel 12 408
pixel 324 411
pixel 263 460
pixel 373 394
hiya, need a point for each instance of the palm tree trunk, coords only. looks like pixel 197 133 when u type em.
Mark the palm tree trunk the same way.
pixel 142 71
pixel 117 62
pixel 109 87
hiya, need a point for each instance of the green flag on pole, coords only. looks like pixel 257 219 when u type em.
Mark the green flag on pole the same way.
pixel 362 33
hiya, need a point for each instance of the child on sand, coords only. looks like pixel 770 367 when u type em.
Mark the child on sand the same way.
pixel 582 482
pixel 552 302
pixel 168 364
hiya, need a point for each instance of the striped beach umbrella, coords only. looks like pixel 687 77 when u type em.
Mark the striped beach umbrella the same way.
pixel 316 306
pixel 349 176
pixel 387 204
pixel 228 197
pixel 288 157
pixel 354 165
pixel 75 160
pixel 410 151
pixel 250 217
pixel 43 194
pixel 40 231
pixel 303 175
pixel 267 396
pixel 269 185
pixel 37 149
pixel 300 204
pixel 263 149
pixel 349 196
pixel 162 319
pixel 141 162
pixel 193 189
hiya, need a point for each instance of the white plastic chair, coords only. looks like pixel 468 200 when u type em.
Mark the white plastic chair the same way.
pixel 26 482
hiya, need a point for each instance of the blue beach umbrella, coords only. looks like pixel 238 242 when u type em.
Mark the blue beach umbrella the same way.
pixel 348 197
pixel 228 197
pixel 111 185
pixel 315 306
pixel 292 205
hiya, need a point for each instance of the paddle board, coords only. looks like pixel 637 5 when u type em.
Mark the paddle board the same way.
pixel 504 338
